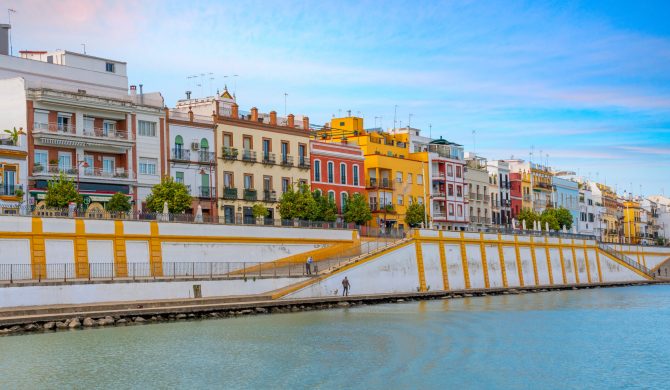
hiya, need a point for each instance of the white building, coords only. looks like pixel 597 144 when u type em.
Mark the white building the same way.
pixel 500 202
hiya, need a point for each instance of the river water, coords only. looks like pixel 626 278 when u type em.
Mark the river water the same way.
pixel 601 338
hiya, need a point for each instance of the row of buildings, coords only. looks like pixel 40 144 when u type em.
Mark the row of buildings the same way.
pixel 77 114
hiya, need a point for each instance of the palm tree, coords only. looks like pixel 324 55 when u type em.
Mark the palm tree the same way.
pixel 14 135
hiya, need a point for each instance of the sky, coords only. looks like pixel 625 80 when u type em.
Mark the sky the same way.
pixel 584 85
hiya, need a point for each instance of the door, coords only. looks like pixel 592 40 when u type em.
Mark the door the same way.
pixel 266 149
pixel 301 153
pixel 204 185
pixel 108 166
pixel 64 162
pixel 229 214
pixel 248 216
pixel 9 182
pixel 89 162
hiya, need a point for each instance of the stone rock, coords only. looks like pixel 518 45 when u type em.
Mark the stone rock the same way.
pixel 49 325
pixel 30 328
pixel 15 328
pixel 214 315
pixel 4 331
pixel 74 323
pixel 108 320
pixel 121 321
pixel 343 304
pixel 180 316
pixel 191 315
pixel 61 325
pixel 294 309
pixel 468 295
pixel 139 319
pixel 400 300
pixel 261 310
pixel 88 322
pixel 246 311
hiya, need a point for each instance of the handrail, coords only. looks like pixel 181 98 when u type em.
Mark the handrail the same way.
pixel 620 256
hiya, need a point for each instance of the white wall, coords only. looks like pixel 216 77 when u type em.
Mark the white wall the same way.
pixel 432 267
pixel 147 147
pixel 230 252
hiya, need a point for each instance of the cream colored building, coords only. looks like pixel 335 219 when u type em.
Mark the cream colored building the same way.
pixel 259 158
pixel 478 190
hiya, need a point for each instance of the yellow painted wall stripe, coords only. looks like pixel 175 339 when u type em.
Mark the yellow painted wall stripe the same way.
pixel 560 256
pixel 485 264
pixel 120 252
pixel 642 274
pixel 419 263
pixel 443 264
pixel 574 261
pixel 37 250
pixel 518 260
pixel 534 259
pixel 80 249
pixel 600 274
pixel 464 262
pixel 586 261
pixel 501 258
pixel 550 271
pixel 155 251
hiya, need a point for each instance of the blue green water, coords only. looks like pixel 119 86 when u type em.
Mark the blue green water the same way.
pixel 603 338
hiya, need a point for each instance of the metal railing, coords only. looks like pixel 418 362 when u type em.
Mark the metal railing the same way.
pixel 270 196
pixel 54 169
pixel 384 183
pixel 180 154
pixel 286 160
pixel 230 193
pixel 248 156
pixel 250 194
pixel 95 132
pixel 229 153
pixel 206 192
pixel 620 256
pixel 205 156
pixel 9 189
pixel 303 162
pixel 268 158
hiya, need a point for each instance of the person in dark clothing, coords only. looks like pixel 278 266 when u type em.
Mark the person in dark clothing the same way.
pixel 308 265
pixel 345 287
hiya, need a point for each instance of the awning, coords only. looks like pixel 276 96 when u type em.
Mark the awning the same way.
pixel 8 204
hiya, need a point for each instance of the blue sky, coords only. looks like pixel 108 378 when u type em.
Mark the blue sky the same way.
pixel 587 83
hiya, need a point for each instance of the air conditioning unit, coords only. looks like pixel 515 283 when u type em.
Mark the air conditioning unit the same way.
pixel 195 146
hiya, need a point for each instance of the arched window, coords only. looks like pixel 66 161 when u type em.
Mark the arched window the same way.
pixel 204 145
pixel 331 195
pixel 343 173
pixel 331 172
pixel 343 201
pixel 317 170
pixel 178 151
pixel 355 175
pixel 178 141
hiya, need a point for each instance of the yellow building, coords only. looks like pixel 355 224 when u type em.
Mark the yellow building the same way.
pixel 526 199
pixel 394 177
pixel 632 222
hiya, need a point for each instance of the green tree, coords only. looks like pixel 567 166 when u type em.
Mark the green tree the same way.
pixel 326 208
pixel 175 194
pixel 549 218
pixel 119 202
pixel 259 211
pixel 357 210
pixel 529 216
pixel 14 135
pixel 557 218
pixel 61 191
pixel 305 205
pixel 286 208
pixel 415 215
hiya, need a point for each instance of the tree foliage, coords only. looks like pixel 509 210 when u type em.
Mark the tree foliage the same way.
pixel 298 204
pixel 61 192
pixel 357 210
pixel 415 215
pixel 119 202
pixel 14 135
pixel 259 211
pixel 557 218
pixel 326 210
pixel 529 216
pixel 175 194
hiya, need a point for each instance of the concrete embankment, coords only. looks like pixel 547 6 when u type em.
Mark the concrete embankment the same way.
pixel 67 317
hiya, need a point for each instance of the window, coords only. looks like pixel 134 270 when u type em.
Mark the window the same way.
pixel 108 164
pixel 419 179
pixel 109 67
pixel 399 200
pixel 42 159
pixel 64 123
pixel 179 177
pixel 178 142
pixel 355 175
pixel 459 191
pixel 460 210
pixel 331 174
pixel 204 145
pixel 331 195
pixel 148 166
pixel 284 151
pixel 459 171
pixel 228 180
pixel 450 190
pixel 227 140
pixel 146 129
pixel 409 178
pixel 108 128
pixel 451 209
pixel 64 161
pixel 247 142
pixel 343 173
pixel 302 148
pixel 419 200
pixel 248 182
pixel 267 148
pixel 343 201
pixel 267 183
pixel 89 124
pixel 450 170
pixel 317 170
pixel 285 184
pixel 398 177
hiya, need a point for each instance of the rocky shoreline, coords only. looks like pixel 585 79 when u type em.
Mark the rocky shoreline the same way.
pixel 274 307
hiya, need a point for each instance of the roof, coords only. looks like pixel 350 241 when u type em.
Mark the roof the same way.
pixel 443 142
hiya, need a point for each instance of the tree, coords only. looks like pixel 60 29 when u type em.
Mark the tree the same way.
pixel 175 194
pixel 14 135
pixel 529 216
pixel 287 201
pixel 259 211
pixel 550 219
pixel 356 210
pixel 326 210
pixel 119 202
pixel 415 215
pixel 62 191
pixel 557 218
pixel 298 204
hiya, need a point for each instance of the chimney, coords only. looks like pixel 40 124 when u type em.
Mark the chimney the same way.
pixel 273 118
pixel 188 95
pixel 254 114
pixel 305 123
pixel 291 120
pixel 133 90
pixel 234 111
pixel 4 39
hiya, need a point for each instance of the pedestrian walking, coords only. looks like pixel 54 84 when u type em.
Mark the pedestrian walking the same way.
pixel 345 287
pixel 308 265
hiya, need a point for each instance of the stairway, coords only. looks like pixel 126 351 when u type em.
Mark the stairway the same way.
pixel 625 259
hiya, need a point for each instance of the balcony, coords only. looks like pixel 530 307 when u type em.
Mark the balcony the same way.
pixel 50 133
pixel 229 153
pixel 250 195
pixel 439 216
pixel 206 192
pixel 526 198
pixel 269 196
pixel 438 193
pixel 206 157
pixel 84 173
pixel 287 160
pixel 495 204
pixel 230 193
pixel 249 156
pixel 9 189
pixel 112 134
pixel 268 158
pixel 384 208
pixel 303 162
pixel 385 183
pixel 438 176
pixel 179 154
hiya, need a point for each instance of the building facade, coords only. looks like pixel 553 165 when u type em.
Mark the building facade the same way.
pixel 501 201
pixel 477 182
pixel 13 147
pixel 565 194
pixel 338 171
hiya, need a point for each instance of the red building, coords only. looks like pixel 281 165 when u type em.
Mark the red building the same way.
pixel 337 170
pixel 516 193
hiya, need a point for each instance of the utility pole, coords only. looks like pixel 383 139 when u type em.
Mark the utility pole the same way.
pixel 395 116
pixel 409 121
pixel 84 46
pixel 285 96
pixel 9 19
